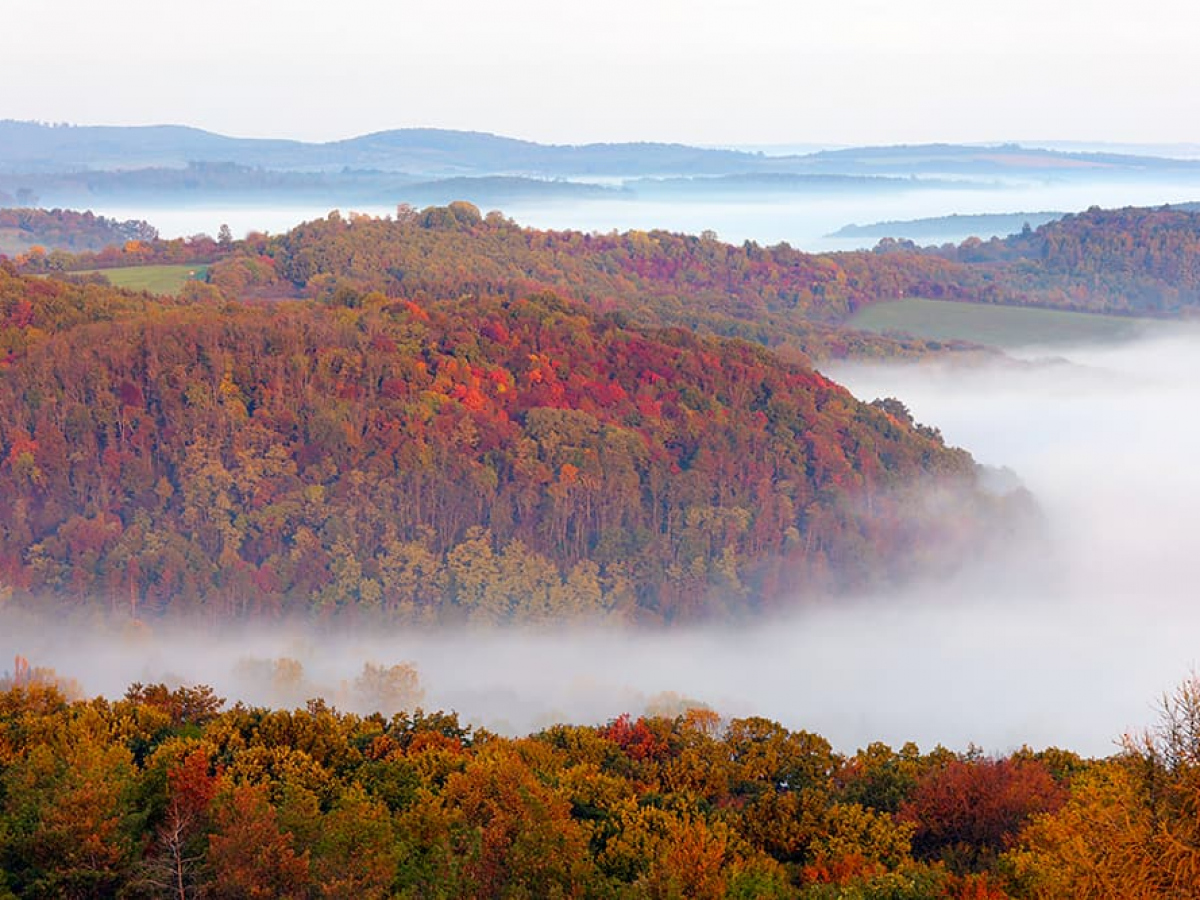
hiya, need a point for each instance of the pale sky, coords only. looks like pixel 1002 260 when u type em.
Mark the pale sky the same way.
pixel 564 71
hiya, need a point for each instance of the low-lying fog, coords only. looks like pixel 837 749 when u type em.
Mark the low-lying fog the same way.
pixel 1068 642
pixel 802 219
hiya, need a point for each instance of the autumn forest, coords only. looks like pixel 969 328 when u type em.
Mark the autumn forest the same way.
pixel 443 419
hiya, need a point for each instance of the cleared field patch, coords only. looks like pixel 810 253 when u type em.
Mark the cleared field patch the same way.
pixel 155 279
pixel 996 326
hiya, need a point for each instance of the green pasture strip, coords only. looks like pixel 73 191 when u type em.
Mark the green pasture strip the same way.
pixel 155 279
pixel 996 326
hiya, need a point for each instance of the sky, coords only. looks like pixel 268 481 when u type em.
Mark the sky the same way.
pixel 717 72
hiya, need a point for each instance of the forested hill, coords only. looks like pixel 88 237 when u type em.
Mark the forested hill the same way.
pixel 1134 259
pixel 770 295
pixel 1139 261
pixel 486 458
pixel 22 229
pixel 680 276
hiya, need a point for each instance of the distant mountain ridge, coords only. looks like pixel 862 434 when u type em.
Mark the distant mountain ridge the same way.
pixel 31 147
pixel 978 224
pixel 997 159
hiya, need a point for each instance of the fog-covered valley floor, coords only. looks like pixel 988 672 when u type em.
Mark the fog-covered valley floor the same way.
pixel 806 220
pixel 1067 639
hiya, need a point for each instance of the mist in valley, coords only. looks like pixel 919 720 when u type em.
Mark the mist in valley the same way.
pixel 804 220
pixel 1065 637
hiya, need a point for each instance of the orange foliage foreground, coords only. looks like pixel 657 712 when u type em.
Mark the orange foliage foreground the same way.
pixel 163 794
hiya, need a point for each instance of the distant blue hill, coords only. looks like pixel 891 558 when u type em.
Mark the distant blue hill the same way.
pixel 983 225
pixel 30 147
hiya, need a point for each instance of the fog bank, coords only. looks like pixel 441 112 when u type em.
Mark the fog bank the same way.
pixel 803 219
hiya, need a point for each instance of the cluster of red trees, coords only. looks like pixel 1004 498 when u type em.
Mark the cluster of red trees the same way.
pixel 485 458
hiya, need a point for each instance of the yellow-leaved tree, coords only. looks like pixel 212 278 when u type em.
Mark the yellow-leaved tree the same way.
pixel 1131 827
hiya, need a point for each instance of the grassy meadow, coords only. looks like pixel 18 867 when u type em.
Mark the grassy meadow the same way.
pixel 155 279
pixel 995 326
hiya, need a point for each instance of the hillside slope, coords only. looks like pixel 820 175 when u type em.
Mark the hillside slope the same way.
pixel 1133 260
pixel 488 458
pixel 770 295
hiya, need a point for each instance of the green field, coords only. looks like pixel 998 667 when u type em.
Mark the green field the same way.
pixel 996 326
pixel 155 279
